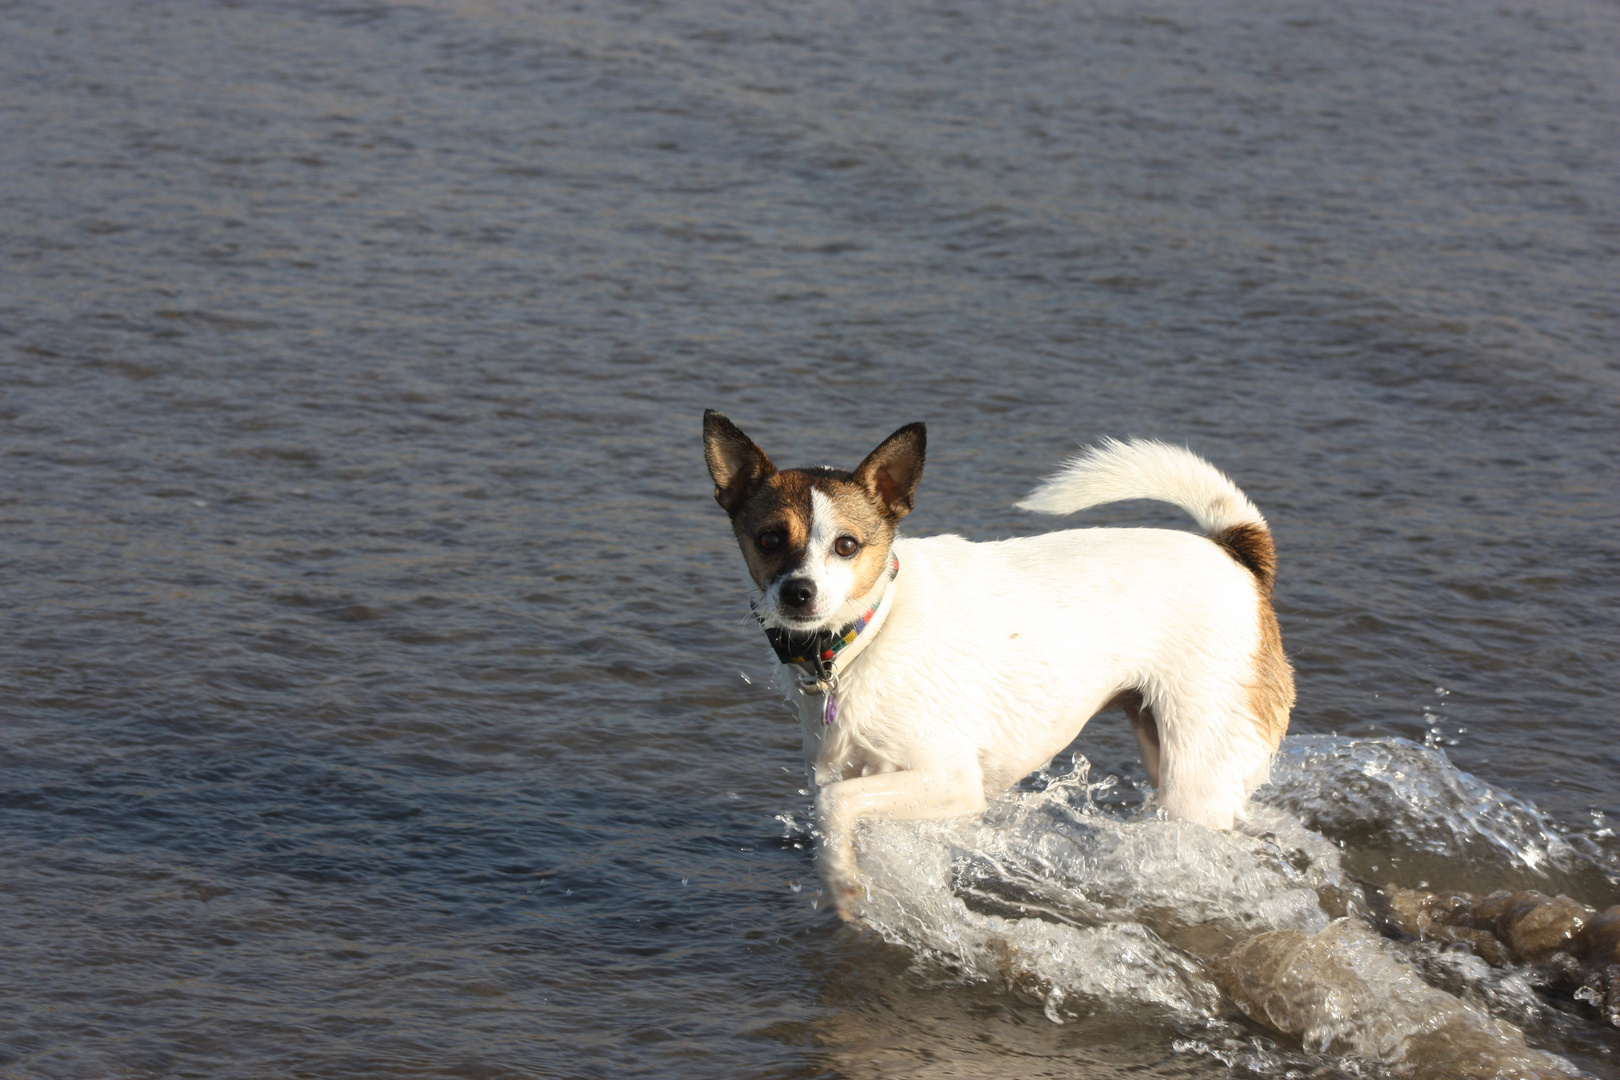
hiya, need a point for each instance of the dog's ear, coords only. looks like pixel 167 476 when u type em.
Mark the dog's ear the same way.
pixel 892 470
pixel 737 465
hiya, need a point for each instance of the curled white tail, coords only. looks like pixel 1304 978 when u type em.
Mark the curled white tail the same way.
pixel 1146 469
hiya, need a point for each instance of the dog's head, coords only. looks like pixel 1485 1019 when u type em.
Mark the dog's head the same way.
pixel 815 540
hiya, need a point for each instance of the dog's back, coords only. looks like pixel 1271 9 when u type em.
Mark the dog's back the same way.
pixel 1012 646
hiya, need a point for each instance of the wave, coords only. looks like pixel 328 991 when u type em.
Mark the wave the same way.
pixel 1085 906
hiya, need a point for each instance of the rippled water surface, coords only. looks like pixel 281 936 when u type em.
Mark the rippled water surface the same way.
pixel 377 692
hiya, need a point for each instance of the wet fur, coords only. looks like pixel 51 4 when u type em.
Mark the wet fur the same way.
pixel 994 655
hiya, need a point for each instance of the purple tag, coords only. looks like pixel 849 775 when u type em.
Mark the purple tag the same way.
pixel 829 712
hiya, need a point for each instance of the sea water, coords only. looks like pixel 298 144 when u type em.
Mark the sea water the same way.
pixel 378 695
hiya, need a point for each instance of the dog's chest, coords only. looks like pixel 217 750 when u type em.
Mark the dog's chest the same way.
pixel 838 745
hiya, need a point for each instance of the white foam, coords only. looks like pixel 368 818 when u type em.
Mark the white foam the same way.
pixel 1414 795
pixel 1089 910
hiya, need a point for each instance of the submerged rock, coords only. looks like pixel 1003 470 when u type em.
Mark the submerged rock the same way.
pixel 1089 913
pixel 1340 991
pixel 1599 941
pixel 1576 948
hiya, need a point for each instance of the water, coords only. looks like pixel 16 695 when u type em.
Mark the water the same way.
pixel 378 692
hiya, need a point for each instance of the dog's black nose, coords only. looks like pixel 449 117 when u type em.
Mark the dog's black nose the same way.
pixel 798 592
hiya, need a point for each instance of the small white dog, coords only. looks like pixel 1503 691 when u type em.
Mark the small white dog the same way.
pixel 934 673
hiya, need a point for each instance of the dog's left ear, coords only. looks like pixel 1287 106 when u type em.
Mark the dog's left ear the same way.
pixel 891 472
pixel 735 463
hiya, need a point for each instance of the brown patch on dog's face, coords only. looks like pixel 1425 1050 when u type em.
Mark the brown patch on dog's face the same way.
pixel 781 507
pixel 865 521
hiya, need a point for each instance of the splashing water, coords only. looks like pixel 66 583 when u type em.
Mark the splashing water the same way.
pixel 1094 909
pixel 1415 798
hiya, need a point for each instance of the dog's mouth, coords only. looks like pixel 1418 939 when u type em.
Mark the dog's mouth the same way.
pixel 793 624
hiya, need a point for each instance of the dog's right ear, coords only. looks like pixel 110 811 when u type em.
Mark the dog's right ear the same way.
pixel 737 465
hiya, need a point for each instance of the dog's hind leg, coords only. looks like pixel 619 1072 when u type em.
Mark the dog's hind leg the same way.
pixel 1146 726
pixel 1220 722
pixel 1213 750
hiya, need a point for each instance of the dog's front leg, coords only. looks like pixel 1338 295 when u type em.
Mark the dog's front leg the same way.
pixel 909 795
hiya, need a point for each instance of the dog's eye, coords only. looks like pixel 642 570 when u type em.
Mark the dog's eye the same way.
pixel 846 546
pixel 769 541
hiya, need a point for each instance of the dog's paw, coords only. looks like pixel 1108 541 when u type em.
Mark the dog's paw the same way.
pixel 844 898
pixel 841 877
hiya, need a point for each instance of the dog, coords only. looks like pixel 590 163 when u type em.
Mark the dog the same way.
pixel 934 673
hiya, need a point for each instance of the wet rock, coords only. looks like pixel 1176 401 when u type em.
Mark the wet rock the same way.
pixel 1597 987
pixel 1562 972
pixel 1341 991
pixel 1411 911
pixel 1428 915
pixel 1531 924
pixel 1523 927
pixel 1599 941
pixel 1484 944
pixel 1575 949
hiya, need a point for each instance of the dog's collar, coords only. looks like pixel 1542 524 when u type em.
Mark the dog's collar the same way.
pixel 824 653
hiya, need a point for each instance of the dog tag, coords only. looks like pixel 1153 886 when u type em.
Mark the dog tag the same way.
pixel 829 711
